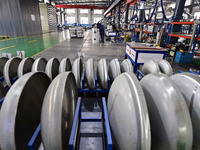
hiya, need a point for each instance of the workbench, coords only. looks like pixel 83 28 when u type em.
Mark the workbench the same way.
pixel 139 53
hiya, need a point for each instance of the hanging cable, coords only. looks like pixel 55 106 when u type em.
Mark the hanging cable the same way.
pixel 152 12
pixel 163 11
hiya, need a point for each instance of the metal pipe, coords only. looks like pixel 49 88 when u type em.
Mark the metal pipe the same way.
pixel 193 36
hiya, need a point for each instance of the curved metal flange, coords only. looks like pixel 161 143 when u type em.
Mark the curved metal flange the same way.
pixel 150 67
pixel 114 69
pixel 3 61
pixel 165 67
pixel 128 114
pixel 20 112
pixel 126 66
pixel 10 70
pixel 189 85
pixel 2 93
pixel 77 70
pixel 90 73
pixel 25 66
pixel 58 112
pixel 39 64
pixel 52 68
pixel 65 65
pixel 102 73
pixel 171 126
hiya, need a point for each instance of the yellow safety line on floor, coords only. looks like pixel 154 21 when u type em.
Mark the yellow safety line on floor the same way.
pixel 13 38
pixel 7 47
pixel 32 41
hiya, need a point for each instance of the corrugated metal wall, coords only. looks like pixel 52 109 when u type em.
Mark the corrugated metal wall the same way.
pixel 52 18
pixel 15 17
pixel 10 18
pixel 30 10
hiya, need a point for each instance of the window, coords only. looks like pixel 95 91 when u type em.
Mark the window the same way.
pixel 70 11
pixel 84 11
pixel 187 2
pixel 97 11
pixel 84 20
pixel 97 19
pixel 197 15
pixel 70 20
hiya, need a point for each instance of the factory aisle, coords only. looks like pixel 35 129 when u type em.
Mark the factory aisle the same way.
pixel 70 48
pixel 31 44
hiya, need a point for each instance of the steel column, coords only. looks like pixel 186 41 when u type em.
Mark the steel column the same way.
pixel 127 11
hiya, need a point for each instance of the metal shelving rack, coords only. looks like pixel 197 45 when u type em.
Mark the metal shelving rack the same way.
pixel 196 38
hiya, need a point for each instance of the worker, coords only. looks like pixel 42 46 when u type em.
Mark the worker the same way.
pixel 102 33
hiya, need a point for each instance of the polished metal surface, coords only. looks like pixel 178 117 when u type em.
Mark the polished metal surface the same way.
pixel 114 69
pixel 21 109
pixel 52 68
pixel 65 65
pixel 165 67
pixel 150 67
pixel 102 73
pixel 189 85
pixel 25 66
pixel 58 112
pixel 39 65
pixel 128 114
pixel 126 66
pixel 10 70
pixel 3 61
pixel 90 73
pixel 171 127
pixel 77 70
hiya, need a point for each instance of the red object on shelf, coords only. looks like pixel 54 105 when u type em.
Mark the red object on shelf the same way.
pixel 149 23
pixel 137 31
pixel 168 46
pixel 146 32
pixel 80 6
pixel 182 36
pixel 183 23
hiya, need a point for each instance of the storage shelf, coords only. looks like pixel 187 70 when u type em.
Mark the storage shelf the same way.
pixel 182 36
pixel 144 31
pixel 190 23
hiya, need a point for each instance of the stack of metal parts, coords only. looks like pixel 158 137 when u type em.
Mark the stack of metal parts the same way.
pixel 160 112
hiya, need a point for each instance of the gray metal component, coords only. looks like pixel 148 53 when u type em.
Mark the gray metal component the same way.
pixel 114 69
pixel 65 65
pixel 102 73
pixel 170 121
pixel 128 114
pixel 52 68
pixel 165 67
pixel 90 73
pixel 20 112
pixel 189 85
pixel 39 65
pixel 10 70
pixel 150 67
pixel 58 112
pixel 77 70
pixel 3 61
pixel 126 66
pixel 25 66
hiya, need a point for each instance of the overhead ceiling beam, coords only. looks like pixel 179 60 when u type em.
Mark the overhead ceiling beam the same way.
pixel 111 6
pixel 80 6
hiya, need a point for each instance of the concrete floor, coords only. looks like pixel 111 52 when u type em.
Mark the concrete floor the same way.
pixel 70 48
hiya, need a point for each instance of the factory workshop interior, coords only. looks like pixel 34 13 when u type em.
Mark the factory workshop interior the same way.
pixel 100 75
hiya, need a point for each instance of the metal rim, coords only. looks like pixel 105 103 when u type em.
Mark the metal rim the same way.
pixel 20 112
pixel 89 73
pixel 3 61
pixel 10 70
pixel 114 69
pixel 25 66
pixel 65 65
pixel 126 66
pixel 39 64
pixel 77 70
pixel 165 67
pixel 58 111
pixel 52 68
pixel 102 74
pixel 150 67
